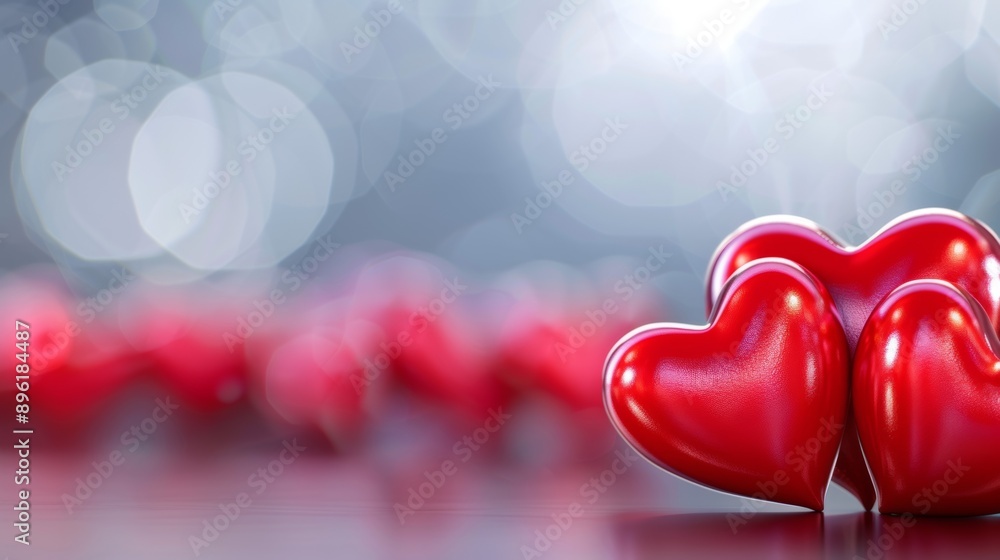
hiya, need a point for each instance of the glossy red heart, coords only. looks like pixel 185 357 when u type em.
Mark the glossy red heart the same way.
pixel 754 402
pixel 927 398
pixel 934 244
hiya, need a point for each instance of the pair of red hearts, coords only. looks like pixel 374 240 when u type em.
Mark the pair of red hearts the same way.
pixel 805 337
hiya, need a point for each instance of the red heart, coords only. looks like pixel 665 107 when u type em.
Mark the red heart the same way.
pixel 751 404
pixel 195 345
pixel 927 397
pixel 559 350
pixel 934 244
pixel 307 369
pixel 446 360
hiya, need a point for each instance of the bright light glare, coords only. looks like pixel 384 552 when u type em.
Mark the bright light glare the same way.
pixel 711 24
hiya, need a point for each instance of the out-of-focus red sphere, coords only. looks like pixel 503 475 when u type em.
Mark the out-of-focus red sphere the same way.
pixel 99 366
pixel 432 344
pixel 36 297
pixel 308 370
pixel 195 346
pixel 558 335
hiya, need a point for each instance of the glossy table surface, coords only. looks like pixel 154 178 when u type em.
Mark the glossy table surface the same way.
pixel 328 507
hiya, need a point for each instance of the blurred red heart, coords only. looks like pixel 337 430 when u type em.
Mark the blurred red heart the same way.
pixel 933 244
pixel 309 372
pixel 98 368
pixel 754 402
pixel 77 362
pixel 36 298
pixel 927 398
pixel 561 351
pixel 195 345
pixel 446 358
pixel 556 331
